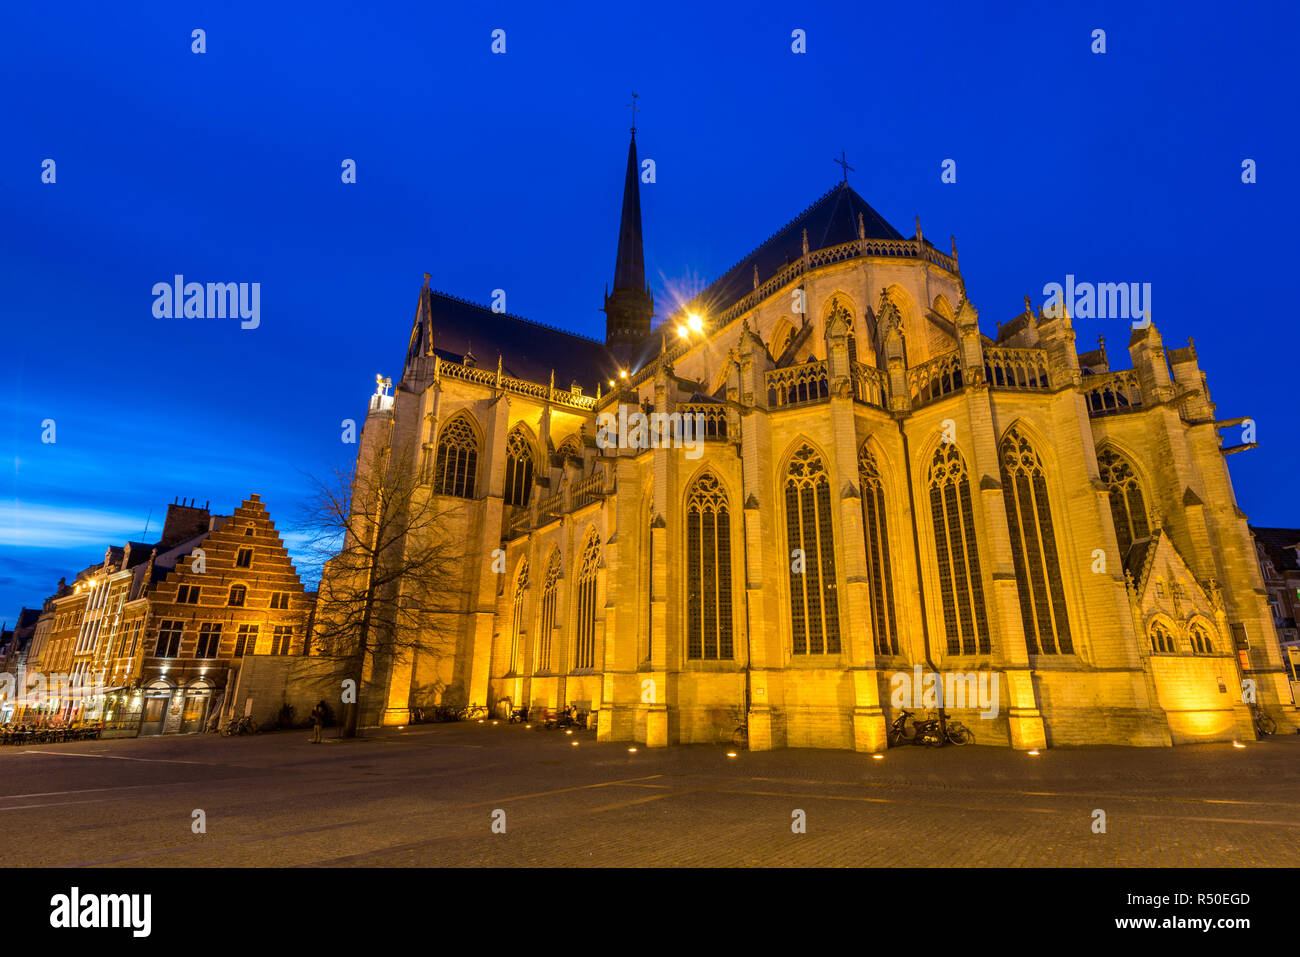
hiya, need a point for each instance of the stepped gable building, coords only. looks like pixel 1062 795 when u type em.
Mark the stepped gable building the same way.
pixel 881 486
pixel 167 626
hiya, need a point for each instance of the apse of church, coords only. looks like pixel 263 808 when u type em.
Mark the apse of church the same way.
pixel 880 489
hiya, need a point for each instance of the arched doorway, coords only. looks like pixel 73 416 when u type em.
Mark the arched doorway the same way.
pixel 198 696
pixel 157 697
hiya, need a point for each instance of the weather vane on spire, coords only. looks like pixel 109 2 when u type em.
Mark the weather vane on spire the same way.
pixel 847 168
pixel 635 110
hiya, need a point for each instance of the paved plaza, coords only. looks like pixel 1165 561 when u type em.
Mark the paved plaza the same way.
pixel 428 796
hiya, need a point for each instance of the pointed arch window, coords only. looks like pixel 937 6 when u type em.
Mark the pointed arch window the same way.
pixel 569 449
pixel 709 633
pixel 546 618
pixel 517 618
pixel 1201 643
pixel 1127 504
pixel 961 584
pixel 814 611
pixel 1033 548
pixel 585 645
pixel 1162 642
pixel 519 469
pixel 880 588
pixel 457 461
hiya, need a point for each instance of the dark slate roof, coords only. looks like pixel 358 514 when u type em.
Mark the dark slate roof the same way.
pixel 529 350
pixel 1280 544
pixel 830 221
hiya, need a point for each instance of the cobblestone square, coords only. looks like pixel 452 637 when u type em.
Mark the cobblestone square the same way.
pixel 427 796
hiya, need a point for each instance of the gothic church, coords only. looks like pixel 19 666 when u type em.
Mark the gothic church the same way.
pixel 883 485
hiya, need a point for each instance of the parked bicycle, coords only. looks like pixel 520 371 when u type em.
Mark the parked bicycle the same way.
pixel 1264 725
pixel 932 732
pixel 242 725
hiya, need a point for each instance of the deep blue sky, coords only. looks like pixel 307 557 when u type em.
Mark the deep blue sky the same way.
pixel 505 171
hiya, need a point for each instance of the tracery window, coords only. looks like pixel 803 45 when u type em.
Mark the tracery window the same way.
pixel 1162 642
pixel 546 618
pixel 879 572
pixel 517 619
pixel 1033 547
pixel 814 606
pixel 1127 505
pixel 1201 643
pixel 519 469
pixel 961 584
pixel 709 633
pixel 457 459
pixel 585 645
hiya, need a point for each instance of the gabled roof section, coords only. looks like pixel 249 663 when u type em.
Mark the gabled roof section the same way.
pixel 529 350
pixel 830 221
pixel 1158 551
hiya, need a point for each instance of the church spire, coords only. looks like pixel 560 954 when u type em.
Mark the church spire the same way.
pixel 629 306
pixel 629 267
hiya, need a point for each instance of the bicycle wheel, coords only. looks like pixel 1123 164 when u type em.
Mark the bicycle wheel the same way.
pixel 961 735
pixel 740 737
pixel 1266 724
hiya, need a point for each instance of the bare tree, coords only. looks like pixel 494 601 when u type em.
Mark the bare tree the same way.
pixel 391 556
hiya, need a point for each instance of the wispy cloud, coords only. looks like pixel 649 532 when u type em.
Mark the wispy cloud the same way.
pixel 38 525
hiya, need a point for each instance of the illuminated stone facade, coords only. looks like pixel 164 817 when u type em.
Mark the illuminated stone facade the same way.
pixel 881 485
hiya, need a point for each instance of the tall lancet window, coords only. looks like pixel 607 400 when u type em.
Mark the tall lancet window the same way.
pixel 457 459
pixel 879 573
pixel 1127 506
pixel 584 650
pixel 961 585
pixel 546 618
pixel 708 571
pixel 814 612
pixel 517 619
pixel 519 469
pixel 1033 547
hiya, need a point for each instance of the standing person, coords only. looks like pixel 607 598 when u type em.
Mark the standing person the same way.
pixel 317 722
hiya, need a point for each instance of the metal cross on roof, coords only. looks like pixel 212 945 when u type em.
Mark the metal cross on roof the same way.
pixel 635 111
pixel 847 168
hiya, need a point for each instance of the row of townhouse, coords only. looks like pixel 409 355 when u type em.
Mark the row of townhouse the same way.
pixel 156 637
